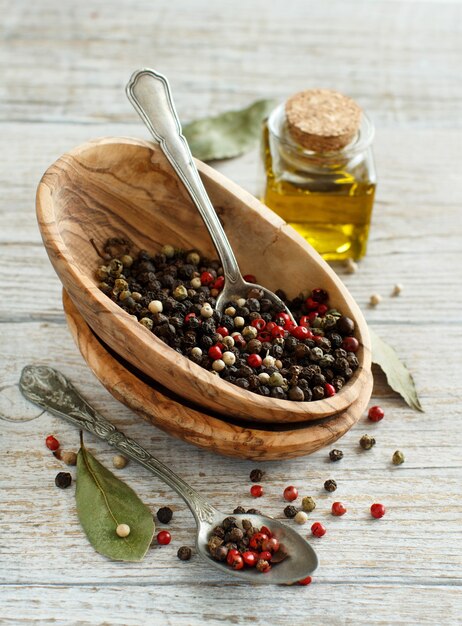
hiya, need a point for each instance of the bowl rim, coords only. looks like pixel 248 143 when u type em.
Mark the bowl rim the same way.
pixel 57 249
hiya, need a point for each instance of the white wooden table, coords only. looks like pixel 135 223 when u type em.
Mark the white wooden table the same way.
pixel 63 67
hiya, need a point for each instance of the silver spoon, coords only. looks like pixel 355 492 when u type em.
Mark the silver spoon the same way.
pixel 51 390
pixel 150 94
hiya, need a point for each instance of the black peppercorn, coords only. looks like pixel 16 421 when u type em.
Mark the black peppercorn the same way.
pixel 330 485
pixel 335 455
pixel 219 531
pixel 63 480
pixel 220 553
pixel 229 522
pixel 256 475
pixel 239 510
pixel 253 512
pixel 184 553
pixel 235 535
pixel 290 511
pixel 164 514
pixel 345 325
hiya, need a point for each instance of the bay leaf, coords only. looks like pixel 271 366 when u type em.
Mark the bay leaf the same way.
pixel 229 134
pixel 103 502
pixel 398 376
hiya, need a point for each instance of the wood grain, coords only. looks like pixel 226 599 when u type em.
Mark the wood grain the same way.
pixel 63 69
pixel 117 187
pixel 202 429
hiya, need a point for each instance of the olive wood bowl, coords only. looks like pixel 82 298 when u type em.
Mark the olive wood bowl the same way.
pixel 160 407
pixel 122 187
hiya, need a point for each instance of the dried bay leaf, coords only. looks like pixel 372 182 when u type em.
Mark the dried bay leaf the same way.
pixel 398 376
pixel 229 134
pixel 103 502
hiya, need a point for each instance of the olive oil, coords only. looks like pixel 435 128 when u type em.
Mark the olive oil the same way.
pixel 327 198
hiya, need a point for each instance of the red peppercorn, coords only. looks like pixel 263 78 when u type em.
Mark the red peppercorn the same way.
pixel 300 332
pixel 215 353
pixel 189 316
pixel 318 530
pixel 231 555
pixel 254 360
pixel 270 326
pixel 257 540
pixel 264 336
pixel 322 309
pixel 164 538
pixel 237 562
pixel 350 344
pixel 51 443
pixel 378 511
pixel 282 318
pixel 223 331
pixel 256 491
pixel 338 508
pixel 305 581
pixel 311 305
pixel 250 278
pixel 305 320
pixel 312 316
pixel 206 278
pixel 265 555
pixel 290 493
pixel 271 544
pixel 329 390
pixel 219 283
pixel 289 326
pixel 265 530
pixel 259 324
pixel 250 558
pixel 376 413
pixel 278 331
pixel 239 341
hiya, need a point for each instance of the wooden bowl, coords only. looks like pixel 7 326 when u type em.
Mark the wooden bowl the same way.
pixel 267 442
pixel 126 187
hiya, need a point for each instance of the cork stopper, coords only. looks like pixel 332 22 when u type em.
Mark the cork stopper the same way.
pixel 322 120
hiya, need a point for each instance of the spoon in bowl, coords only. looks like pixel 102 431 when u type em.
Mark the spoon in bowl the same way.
pixel 50 390
pixel 150 94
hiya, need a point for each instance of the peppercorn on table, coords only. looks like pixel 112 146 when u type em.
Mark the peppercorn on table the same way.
pixel 64 69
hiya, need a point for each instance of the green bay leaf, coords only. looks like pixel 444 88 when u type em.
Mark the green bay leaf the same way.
pixel 398 376
pixel 103 502
pixel 229 134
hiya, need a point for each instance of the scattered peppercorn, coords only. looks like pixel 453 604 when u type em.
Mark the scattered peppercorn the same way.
pixel 164 538
pixel 51 443
pixel 367 442
pixel 335 455
pixel 301 517
pixel 305 581
pixel 375 299
pixel 397 289
pixel 256 491
pixel 330 485
pixel 164 514
pixel 375 413
pixel 378 510
pixel 338 509
pixel 119 461
pixel 123 530
pixel 290 493
pixel 290 511
pixel 308 504
pixel 239 510
pixel 68 457
pixel 184 553
pixel 63 480
pixel 397 458
pixel 318 530
pixel 256 475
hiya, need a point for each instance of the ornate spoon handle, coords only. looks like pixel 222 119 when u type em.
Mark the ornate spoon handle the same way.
pixel 52 391
pixel 150 94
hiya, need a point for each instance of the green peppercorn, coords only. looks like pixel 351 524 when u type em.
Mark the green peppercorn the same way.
pixel 146 322
pixel 115 268
pixel 127 260
pixel 168 250
pixel 398 458
pixel 276 380
pixel 308 504
pixel 180 293
pixel 367 442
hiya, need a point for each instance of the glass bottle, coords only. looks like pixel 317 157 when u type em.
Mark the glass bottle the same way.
pixel 319 171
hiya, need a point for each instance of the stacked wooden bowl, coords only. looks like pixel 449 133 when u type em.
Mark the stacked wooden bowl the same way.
pixel 126 188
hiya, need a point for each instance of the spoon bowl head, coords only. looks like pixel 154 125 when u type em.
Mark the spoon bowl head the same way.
pixel 300 562
pixel 126 188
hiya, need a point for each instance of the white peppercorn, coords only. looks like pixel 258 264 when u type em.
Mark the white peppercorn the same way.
pixel 155 306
